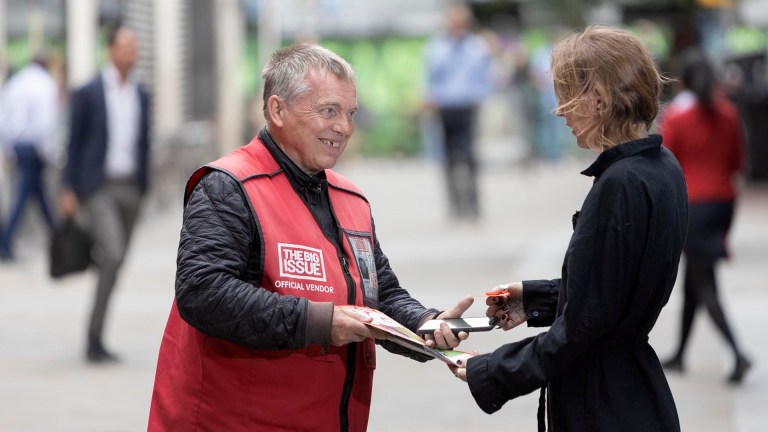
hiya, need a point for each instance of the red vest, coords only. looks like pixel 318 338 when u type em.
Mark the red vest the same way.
pixel 208 384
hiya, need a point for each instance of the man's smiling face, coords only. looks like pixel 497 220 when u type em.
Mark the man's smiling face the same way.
pixel 316 127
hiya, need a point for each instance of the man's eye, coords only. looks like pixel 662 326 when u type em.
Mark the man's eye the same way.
pixel 329 112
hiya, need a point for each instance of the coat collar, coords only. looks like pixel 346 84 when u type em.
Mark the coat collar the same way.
pixel 621 151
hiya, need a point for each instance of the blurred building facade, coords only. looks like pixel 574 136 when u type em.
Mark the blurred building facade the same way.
pixel 201 58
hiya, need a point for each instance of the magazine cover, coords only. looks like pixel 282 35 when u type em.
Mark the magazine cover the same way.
pixel 401 335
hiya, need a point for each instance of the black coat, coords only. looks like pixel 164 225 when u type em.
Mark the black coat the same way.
pixel 619 270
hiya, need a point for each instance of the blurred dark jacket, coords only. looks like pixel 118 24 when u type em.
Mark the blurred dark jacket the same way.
pixel 88 137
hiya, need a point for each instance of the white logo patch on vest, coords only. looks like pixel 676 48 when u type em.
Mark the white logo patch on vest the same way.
pixel 301 262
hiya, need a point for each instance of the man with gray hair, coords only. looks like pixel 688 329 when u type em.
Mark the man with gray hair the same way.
pixel 271 245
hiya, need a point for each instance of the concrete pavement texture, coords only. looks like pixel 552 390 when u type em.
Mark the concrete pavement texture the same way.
pixel 45 384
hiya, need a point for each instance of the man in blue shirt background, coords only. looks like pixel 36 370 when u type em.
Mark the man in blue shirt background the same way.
pixel 458 81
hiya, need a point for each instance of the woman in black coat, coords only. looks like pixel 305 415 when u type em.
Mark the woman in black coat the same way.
pixel 594 362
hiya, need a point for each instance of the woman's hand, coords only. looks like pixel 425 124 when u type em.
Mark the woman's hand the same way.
pixel 507 305
pixel 459 372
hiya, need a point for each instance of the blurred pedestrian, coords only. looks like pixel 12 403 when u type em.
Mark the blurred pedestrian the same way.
pixel 549 136
pixel 107 169
pixel 702 128
pixel 595 362
pixel 29 119
pixel 459 79
pixel 273 242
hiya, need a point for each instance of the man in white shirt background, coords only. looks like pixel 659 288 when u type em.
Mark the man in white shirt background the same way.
pixel 106 173
pixel 29 116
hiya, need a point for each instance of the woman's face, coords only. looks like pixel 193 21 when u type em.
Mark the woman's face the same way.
pixel 583 119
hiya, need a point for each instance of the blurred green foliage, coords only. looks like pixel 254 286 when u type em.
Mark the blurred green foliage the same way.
pixel 746 40
pixel 390 90
pixel 19 53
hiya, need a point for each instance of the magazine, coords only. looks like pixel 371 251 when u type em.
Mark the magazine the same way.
pixel 399 334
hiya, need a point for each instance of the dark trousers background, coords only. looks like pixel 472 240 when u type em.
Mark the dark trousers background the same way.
pixel 460 162
pixel 30 168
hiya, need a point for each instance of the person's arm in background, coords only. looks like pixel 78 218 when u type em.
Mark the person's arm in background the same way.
pixel 437 67
pixel 484 84
pixel 217 279
pixel 4 138
pixel 48 120
pixel 738 160
pixel 144 153
pixel 79 115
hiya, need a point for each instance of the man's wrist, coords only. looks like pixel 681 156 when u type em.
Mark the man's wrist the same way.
pixel 319 320
pixel 429 316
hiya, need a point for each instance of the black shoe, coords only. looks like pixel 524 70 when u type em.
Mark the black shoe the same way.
pixel 675 364
pixel 100 355
pixel 741 368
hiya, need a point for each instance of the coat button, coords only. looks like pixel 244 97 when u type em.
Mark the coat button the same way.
pixel 535 313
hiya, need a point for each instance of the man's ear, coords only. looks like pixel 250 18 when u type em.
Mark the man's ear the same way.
pixel 275 110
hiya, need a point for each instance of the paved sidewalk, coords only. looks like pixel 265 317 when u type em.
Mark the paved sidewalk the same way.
pixel 46 386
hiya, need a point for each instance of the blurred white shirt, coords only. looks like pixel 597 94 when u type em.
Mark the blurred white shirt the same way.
pixel 122 102
pixel 29 111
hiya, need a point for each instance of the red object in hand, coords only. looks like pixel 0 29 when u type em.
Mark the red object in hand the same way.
pixel 499 291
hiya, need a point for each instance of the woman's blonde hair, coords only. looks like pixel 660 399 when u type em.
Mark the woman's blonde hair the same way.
pixel 615 65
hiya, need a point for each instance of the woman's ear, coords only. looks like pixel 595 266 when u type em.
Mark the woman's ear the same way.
pixel 275 110
pixel 598 99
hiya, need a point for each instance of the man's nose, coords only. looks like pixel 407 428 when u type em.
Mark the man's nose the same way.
pixel 344 125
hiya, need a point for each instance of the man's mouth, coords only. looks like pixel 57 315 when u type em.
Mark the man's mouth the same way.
pixel 330 143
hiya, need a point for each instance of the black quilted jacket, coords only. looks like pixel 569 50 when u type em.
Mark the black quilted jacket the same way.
pixel 219 270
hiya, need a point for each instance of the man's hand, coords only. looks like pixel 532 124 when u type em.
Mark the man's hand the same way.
pixel 507 308
pixel 347 328
pixel 68 203
pixel 444 337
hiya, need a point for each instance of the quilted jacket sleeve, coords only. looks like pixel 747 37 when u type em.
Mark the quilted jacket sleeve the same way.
pixel 396 302
pixel 217 277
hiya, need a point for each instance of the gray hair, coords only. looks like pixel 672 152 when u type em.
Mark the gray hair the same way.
pixel 285 72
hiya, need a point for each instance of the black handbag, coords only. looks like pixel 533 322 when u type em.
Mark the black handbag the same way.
pixel 70 250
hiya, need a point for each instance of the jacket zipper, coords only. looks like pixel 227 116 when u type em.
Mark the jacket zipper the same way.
pixel 349 379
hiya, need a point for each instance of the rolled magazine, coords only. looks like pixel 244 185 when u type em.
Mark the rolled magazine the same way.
pixel 401 335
